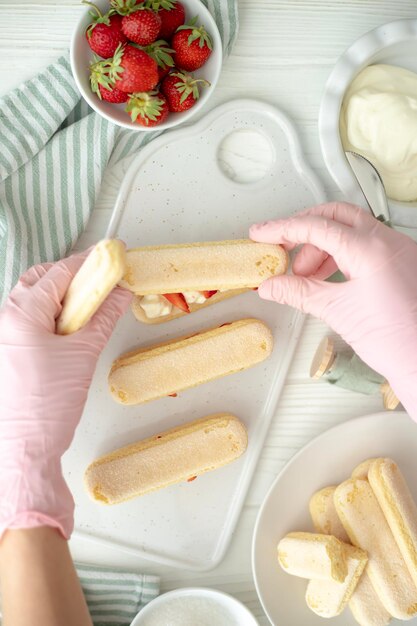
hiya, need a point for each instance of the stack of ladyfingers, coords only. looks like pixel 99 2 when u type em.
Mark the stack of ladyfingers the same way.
pixel 364 554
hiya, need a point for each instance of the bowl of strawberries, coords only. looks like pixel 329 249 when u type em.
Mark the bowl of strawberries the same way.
pixel 143 64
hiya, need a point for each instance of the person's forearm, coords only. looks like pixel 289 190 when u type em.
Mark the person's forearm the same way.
pixel 39 584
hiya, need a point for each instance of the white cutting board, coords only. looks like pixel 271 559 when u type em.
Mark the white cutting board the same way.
pixel 175 192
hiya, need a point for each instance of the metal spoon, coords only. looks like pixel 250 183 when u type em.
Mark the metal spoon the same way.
pixel 371 185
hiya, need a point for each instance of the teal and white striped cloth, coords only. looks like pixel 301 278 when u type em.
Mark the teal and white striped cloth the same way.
pixel 53 153
pixel 115 596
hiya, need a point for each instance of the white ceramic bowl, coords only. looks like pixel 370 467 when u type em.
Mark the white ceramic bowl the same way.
pixel 394 43
pixel 81 55
pixel 234 612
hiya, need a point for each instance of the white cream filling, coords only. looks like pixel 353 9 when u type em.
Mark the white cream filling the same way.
pixel 155 306
pixel 194 297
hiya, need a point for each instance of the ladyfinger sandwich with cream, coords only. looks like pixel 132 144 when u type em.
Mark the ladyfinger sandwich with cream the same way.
pixel 176 455
pixel 172 280
pixel 165 369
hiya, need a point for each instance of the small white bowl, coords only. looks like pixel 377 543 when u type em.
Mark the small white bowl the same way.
pixel 394 43
pixel 81 55
pixel 234 612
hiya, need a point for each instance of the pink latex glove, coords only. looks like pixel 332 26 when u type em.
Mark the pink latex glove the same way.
pixel 44 382
pixel 375 310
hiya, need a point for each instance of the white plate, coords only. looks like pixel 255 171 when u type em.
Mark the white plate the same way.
pixel 394 43
pixel 327 460
pixel 174 191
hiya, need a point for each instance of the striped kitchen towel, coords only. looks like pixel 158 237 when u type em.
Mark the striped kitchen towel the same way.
pixel 115 596
pixel 53 153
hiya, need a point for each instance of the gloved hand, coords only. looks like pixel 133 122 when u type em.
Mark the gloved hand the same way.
pixel 375 310
pixel 44 382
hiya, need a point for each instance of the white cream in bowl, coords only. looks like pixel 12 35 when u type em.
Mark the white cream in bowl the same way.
pixel 378 119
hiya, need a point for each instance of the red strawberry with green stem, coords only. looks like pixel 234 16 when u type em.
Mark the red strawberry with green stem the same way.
pixel 133 70
pixel 147 108
pixel 172 14
pixel 124 7
pixel 130 70
pixel 181 90
pixel 162 72
pixel 141 26
pixel 104 33
pixel 101 83
pixel 192 46
pixel 114 95
pixel 160 52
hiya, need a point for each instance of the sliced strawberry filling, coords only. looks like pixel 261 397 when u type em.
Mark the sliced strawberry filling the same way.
pixel 208 294
pixel 178 300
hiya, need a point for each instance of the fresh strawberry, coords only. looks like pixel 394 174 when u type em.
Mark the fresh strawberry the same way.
pixel 162 72
pixel 133 70
pixel 192 46
pixel 142 26
pixel 99 76
pixel 178 300
pixel 181 90
pixel 172 14
pixel 160 52
pixel 124 7
pixel 208 294
pixel 104 33
pixel 171 19
pixel 147 108
pixel 112 95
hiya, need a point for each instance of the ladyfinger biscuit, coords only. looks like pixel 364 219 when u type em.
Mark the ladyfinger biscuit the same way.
pixel 365 605
pixel 141 316
pixel 400 510
pixel 328 598
pixel 332 597
pixel 98 275
pixel 173 456
pixel 324 515
pixel 361 470
pixel 212 265
pixel 311 555
pixel 165 369
pixel 368 529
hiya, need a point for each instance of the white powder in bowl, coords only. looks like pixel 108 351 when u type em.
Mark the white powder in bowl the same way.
pixel 189 611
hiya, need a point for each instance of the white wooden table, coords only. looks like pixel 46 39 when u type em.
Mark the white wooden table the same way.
pixel 284 54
